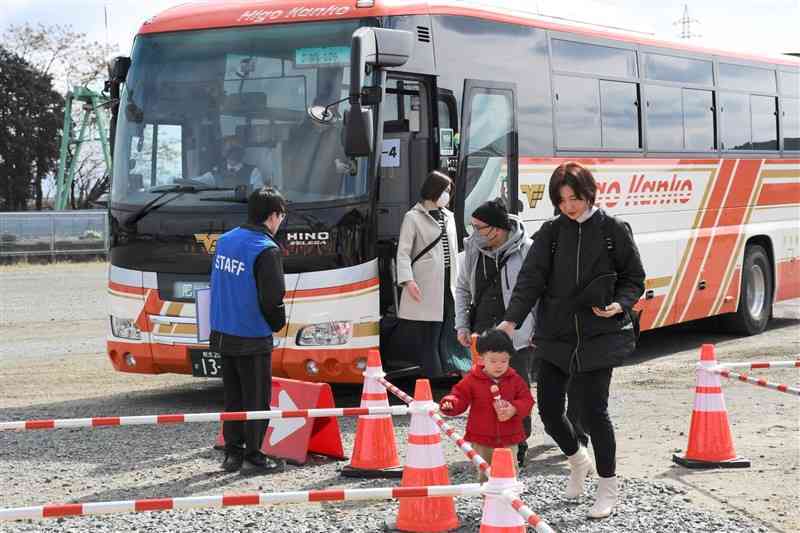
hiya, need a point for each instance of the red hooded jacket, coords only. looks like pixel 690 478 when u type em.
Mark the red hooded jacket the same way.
pixel 483 427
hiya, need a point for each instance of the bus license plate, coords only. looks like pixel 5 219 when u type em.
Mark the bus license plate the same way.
pixel 206 363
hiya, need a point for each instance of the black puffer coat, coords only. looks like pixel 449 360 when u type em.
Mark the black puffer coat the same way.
pixel 566 278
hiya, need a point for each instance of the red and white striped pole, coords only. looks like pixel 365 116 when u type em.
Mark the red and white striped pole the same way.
pixel 762 364
pixel 527 513
pixel 760 382
pixel 465 447
pixel 446 428
pixel 231 500
pixel 105 421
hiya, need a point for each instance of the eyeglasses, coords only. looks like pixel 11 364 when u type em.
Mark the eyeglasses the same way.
pixel 480 228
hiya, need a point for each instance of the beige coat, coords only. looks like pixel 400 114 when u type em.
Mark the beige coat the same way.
pixel 419 229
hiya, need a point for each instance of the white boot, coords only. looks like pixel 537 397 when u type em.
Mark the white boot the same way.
pixel 606 498
pixel 579 467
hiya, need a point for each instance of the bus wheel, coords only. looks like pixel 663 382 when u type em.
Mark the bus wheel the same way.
pixel 755 299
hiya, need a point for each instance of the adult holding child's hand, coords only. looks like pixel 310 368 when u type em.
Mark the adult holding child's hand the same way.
pixel 584 322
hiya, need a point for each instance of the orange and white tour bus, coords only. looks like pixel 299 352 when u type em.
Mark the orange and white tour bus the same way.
pixel 346 105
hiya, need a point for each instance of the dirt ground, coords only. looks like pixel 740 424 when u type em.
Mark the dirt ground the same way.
pixel 53 327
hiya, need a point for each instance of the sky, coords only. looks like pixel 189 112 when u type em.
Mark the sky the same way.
pixel 755 26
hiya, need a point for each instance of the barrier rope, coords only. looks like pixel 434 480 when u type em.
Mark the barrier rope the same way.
pixel 237 416
pixel 760 382
pixel 446 428
pixel 763 364
pixel 231 500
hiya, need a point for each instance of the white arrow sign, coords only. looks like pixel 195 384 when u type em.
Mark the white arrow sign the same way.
pixel 283 427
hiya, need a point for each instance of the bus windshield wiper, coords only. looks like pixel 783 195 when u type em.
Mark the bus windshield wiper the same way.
pixel 153 204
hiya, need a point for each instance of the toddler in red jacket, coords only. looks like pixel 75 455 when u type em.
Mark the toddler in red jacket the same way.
pixel 497 396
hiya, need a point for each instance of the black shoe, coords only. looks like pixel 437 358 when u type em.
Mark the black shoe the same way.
pixel 233 460
pixel 259 464
pixel 522 452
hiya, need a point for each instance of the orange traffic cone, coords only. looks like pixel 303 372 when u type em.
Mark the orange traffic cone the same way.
pixel 474 350
pixel 425 466
pixel 498 515
pixel 375 450
pixel 710 441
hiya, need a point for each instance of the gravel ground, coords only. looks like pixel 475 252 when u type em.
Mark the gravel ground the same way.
pixel 53 327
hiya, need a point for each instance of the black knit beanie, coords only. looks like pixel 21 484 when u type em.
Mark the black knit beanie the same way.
pixel 493 213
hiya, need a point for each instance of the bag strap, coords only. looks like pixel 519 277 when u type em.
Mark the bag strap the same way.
pixel 432 244
pixel 608 237
pixel 611 245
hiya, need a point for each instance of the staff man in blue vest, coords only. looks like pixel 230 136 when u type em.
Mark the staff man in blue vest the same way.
pixel 247 291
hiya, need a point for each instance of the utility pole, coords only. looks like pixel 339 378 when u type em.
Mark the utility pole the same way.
pixel 685 23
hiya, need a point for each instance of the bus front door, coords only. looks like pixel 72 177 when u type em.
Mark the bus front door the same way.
pixel 488 165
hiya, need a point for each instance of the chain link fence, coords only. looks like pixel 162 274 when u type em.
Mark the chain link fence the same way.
pixel 53 233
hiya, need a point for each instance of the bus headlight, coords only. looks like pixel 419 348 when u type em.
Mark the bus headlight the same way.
pixel 326 334
pixel 125 328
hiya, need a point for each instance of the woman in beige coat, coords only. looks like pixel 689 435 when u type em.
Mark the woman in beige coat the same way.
pixel 427 269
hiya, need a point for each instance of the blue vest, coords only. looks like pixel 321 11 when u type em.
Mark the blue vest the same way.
pixel 235 308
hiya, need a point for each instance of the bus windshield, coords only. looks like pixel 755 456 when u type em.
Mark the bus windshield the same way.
pixel 227 110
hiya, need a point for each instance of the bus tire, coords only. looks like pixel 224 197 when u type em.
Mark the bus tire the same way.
pixel 755 298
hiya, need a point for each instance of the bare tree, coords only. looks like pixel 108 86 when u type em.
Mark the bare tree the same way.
pixel 71 58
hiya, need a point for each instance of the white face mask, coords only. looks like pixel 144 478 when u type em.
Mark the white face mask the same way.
pixel 443 200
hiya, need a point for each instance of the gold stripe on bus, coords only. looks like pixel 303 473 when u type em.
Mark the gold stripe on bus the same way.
pixel 669 301
pixel 137 297
pixel 185 329
pixel 361 329
pixel 174 309
pixel 657 283
pixel 740 242
pixel 780 173
pixel 366 329
pixel 726 281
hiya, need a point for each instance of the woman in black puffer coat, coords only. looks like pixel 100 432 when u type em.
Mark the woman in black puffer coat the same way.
pixel 585 272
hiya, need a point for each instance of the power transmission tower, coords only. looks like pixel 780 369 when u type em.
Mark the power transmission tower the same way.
pixel 685 23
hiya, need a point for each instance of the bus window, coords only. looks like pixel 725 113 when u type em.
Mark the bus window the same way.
pixel 698 120
pixel 790 83
pixel 619 102
pixel 679 119
pixel 577 113
pixel 169 154
pixel 141 158
pixel 593 59
pixel 678 69
pixel 489 158
pixel 765 122
pixel 664 120
pixel 791 123
pixel 749 122
pixel 747 78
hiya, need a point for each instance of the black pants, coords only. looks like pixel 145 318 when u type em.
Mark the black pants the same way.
pixel 248 385
pixel 521 363
pixel 572 406
pixel 589 392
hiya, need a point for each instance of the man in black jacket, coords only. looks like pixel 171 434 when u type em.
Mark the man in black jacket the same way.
pixel 247 290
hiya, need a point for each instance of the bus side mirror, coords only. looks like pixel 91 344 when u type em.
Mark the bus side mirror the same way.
pixel 357 131
pixel 118 68
pixel 376 47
